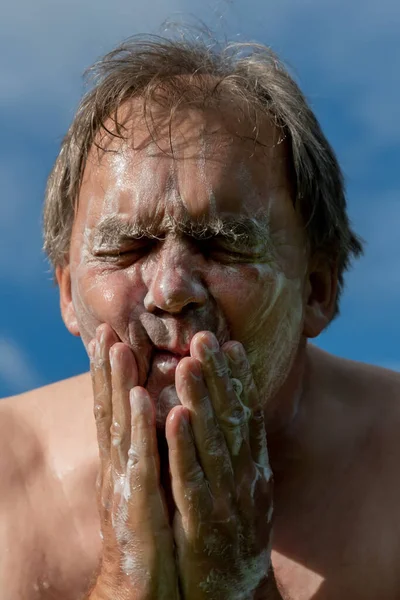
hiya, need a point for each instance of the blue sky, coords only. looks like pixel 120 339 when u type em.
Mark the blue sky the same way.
pixel 345 55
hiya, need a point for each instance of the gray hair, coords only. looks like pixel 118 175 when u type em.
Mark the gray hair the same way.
pixel 192 70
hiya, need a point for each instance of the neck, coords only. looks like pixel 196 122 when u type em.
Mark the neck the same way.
pixel 282 409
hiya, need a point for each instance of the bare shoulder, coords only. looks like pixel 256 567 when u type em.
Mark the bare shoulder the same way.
pixel 30 423
pixel 352 420
pixel 356 383
pixel 41 439
pixel 360 411
pixel 363 400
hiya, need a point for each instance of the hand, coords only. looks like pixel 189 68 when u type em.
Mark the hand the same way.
pixel 138 548
pixel 221 479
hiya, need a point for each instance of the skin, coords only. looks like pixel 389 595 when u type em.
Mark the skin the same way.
pixel 320 412
pixel 215 489
pixel 165 286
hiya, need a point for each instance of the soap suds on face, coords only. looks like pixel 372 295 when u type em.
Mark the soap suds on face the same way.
pixel 254 298
pixel 148 185
pixel 279 314
pixel 41 585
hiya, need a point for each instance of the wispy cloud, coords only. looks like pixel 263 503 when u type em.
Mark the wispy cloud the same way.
pixel 346 56
pixel 15 369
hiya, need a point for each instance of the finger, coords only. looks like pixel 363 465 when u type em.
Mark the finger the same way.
pixel 142 489
pixel 101 382
pixel 139 511
pixel 124 377
pixel 241 369
pixel 210 443
pixel 189 486
pixel 231 413
pixel 143 452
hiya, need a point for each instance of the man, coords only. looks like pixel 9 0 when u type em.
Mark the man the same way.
pixel 197 224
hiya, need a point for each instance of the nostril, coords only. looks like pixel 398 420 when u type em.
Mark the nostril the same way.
pixel 174 298
pixel 182 311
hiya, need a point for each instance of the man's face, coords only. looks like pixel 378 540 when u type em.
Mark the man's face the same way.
pixel 163 247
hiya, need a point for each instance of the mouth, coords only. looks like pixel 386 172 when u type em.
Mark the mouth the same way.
pixel 165 362
pixel 162 365
pixel 160 382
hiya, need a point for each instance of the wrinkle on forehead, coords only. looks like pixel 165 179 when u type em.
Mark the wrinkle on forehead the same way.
pixel 212 172
pixel 191 133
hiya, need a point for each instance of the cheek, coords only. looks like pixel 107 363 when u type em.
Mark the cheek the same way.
pixel 249 296
pixel 264 310
pixel 105 297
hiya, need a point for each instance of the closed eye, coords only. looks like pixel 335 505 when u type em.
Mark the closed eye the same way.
pixel 131 249
pixel 225 249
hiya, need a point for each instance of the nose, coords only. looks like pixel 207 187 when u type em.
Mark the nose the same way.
pixel 175 281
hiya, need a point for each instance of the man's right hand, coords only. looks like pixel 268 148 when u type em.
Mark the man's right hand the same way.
pixel 138 549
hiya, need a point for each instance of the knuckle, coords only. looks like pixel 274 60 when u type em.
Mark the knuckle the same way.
pixel 217 363
pixel 133 458
pixel 194 494
pixel 116 439
pixel 117 434
pixel 246 379
pixel 258 419
pixel 234 417
pixel 194 475
pixel 99 364
pixel 212 444
pixel 246 373
pixel 222 369
pixel 203 403
pixel 99 412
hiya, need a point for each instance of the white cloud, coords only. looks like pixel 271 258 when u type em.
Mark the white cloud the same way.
pixel 15 369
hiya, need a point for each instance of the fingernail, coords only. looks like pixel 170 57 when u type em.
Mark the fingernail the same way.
pixel 98 411
pixel 196 371
pixel 236 353
pixel 210 343
pixel 138 401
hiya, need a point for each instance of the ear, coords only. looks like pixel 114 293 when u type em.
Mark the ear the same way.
pixel 321 290
pixel 63 277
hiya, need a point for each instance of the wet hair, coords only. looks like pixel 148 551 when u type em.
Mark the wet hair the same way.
pixel 193 71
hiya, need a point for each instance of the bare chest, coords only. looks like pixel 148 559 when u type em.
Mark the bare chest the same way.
pixel 340 541
pixel 326 546
pixel 50 544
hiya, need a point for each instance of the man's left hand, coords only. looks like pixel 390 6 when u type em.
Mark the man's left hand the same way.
pixel 221 479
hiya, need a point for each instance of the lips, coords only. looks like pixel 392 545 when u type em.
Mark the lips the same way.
pixel 164 364
pixel 172 333
pixel 162 371
pixel 161 383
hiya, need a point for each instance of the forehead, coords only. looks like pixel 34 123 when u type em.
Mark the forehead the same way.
pixel 199 164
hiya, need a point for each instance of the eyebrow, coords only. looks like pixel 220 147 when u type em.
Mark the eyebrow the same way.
pixel 243 230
